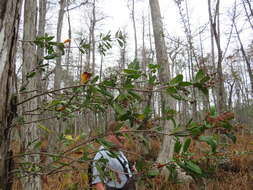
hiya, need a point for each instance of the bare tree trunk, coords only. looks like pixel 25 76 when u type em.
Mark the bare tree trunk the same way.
pixel 134 27
pixel 166 152
pixel 41 32
pixel 244 56
pixel 248 14
pixel 31 131
pixel 9 23
pixel 190 51
pixel 58 67
pixel 69 37
pixel 212 49
pixel 221 99
pixel 93 23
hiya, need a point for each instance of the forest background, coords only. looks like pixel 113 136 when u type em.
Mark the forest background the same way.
pixel 181 80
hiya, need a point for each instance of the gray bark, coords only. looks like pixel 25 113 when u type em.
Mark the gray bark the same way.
pixel 166 152
pixel 93 24
pixel 58 67
pixel 134 27
pixel 244 56
pixel 221 98
pixel 9 22
pixel 30 131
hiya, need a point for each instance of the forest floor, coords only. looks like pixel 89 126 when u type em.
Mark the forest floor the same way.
pixel 236 174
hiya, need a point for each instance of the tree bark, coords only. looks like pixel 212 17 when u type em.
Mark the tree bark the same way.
pixel 93 24
pixel 58 67
pixel 134 27
pixel 221 98
pixel 245 57
pixel 166 152
pixel 30 64
pixel 9 23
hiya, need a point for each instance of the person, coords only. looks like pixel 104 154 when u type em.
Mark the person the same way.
pixel 110 168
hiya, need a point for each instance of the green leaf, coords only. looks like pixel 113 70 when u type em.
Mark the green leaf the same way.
pixel 105 143
pixel 118 109
pixel 200 75
pixel 210 140
pixel 182 133
pixel 171 90
pixel 226 125
pixel 134 65
pixel 152 79
pixel 177 96
pixel 177 146
pixel 37 145
pixel 121 44
pixel 153 66
pixel 176 80
pixel 196 131
pixel 184 83
pixel 193 167
pixel 147 110
pixel 205 79
pixel 153 172
pixel 131 71
pixel 50 56
pixel 140 164
pixel 30 74
pixel 201 88
pixel 110 83
pixel 135 95
pixel 187 144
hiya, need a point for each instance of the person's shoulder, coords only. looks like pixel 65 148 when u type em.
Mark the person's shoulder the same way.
pixel 102 152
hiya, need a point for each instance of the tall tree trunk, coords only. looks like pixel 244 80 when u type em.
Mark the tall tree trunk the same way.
pixel 134 27
pixel 221 98
pixel 40 51
pixel 31 131
pixel 248 15
pixel 69 45
pixel 166 152
pixel 58 67
pixel 244 56
pixel 9 22
pixel 93 23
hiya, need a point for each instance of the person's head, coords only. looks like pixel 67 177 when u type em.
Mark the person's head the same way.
pixel 116 134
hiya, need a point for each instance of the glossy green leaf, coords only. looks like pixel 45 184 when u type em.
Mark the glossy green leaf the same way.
pixel 177 146
pixel 199 76
pixel 176 80
pixel 187 144
pixel 184 83
pixel 30 74
pixel 210 140
pixel 193 167
pixel 50 56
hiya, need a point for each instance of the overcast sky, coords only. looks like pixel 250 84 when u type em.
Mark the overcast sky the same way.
pixel 118 17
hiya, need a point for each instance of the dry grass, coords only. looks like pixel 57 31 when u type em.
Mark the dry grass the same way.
pixel 239 154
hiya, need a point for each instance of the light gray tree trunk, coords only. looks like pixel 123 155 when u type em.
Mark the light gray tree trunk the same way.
pixel 134 27
pixel 166 152
pixel 9 23
pixel 244 56
pixel 30 131
pixel 58 67
pixel 214 20
pixel 93 24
